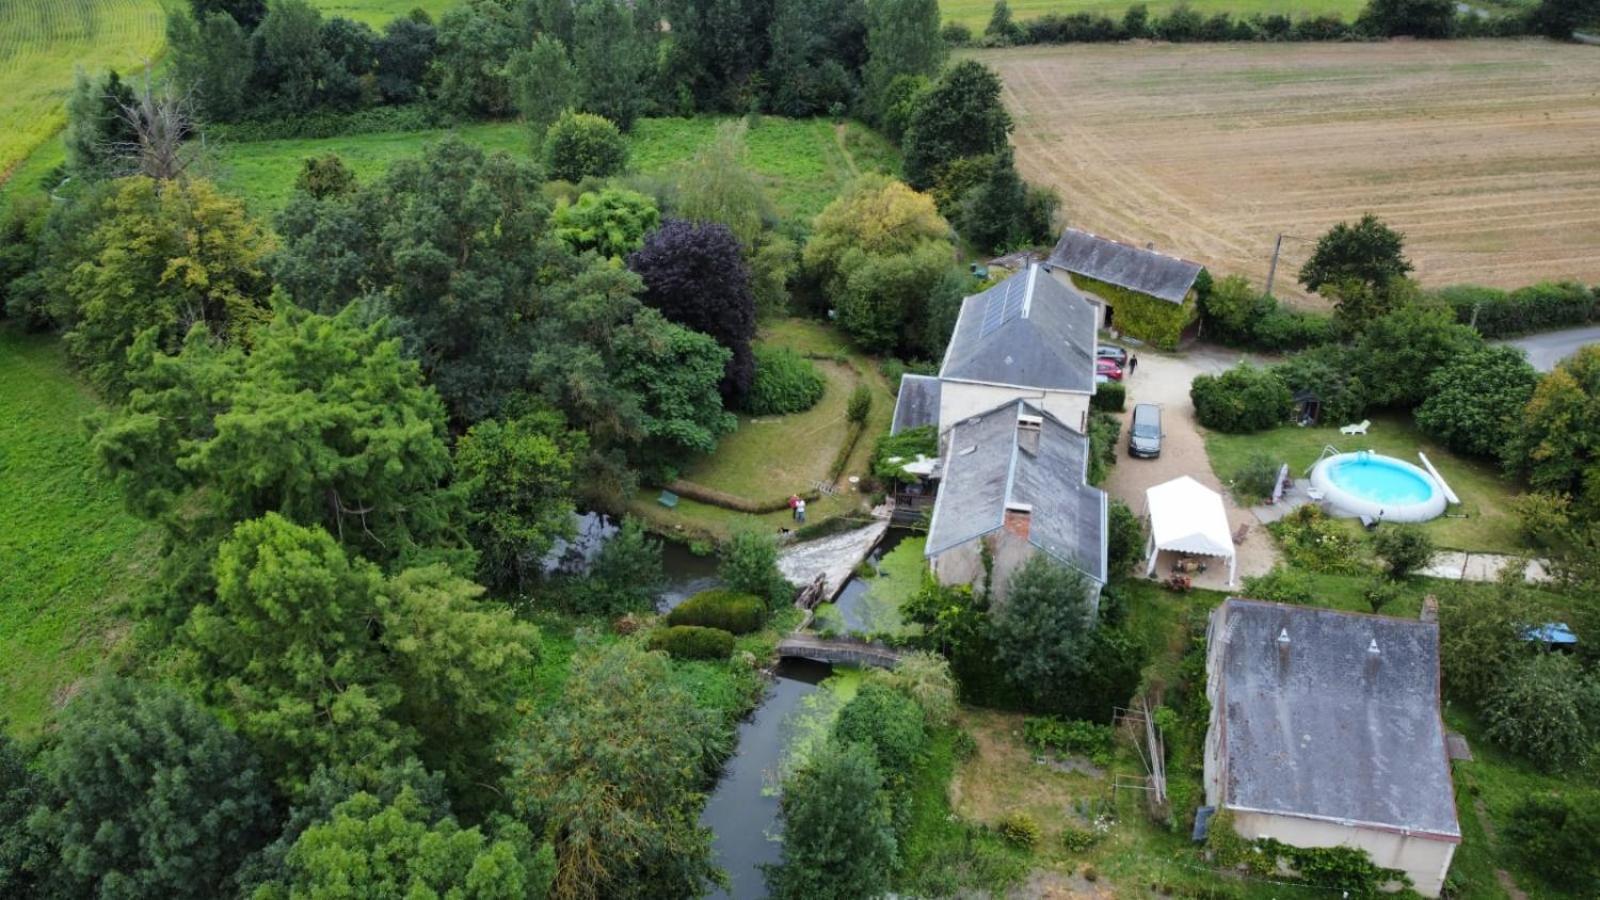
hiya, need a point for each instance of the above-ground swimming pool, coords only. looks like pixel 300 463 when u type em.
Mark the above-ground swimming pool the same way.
pixel 1382 487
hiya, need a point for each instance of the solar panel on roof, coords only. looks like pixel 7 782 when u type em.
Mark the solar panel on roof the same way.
pixel 1003 306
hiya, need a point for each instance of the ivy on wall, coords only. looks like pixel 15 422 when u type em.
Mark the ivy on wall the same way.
pixel 1347 869
pixel 1150 319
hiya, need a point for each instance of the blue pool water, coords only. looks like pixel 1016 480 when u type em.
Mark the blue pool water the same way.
pixel 1380 480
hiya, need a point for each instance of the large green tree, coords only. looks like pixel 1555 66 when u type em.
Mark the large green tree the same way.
pixel 1546 708
pixel 611 774
pixel 902 39
pixel 838 842
pixel 157 256
pixel 321 660
pixel 960 115
pixel 614 57
pixel 543 83
pixel 99 135
pixel 476 42
pixel 1042 627
pixel 518 477
pixel 398 850
pixel 1557 436
pixel 878 250
pixel 1397 353
pixel 1473 402
pixel 324 422
pixel 675 374
pixel 146 794
pixel 26 857
pixel 1368 251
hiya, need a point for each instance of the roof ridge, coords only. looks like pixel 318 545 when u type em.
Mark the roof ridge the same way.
pixel 1132 246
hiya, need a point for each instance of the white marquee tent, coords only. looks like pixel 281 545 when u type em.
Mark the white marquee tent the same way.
pixel 1188 517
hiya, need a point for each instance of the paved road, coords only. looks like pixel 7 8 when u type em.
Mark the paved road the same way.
pixel 1545 350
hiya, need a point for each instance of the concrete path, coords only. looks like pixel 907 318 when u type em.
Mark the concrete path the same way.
pixel 1454 565
pixel 1547 349
pixel 834 557
pixel 1164 380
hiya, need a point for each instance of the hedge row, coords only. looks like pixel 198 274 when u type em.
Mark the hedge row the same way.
pixel 1184 25
pixel 1539 307
pixel 692 642
pixel 785 382
pixel 733 501
pixel 1109 397
pixel 719 608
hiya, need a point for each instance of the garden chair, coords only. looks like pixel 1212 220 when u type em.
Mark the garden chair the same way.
pixel 1360 428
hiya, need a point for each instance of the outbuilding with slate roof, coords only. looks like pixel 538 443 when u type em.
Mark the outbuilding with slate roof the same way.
pixel 1326 731
pixel 1145 294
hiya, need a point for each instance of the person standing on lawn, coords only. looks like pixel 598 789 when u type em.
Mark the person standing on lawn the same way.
pixel 794 507
pixel 800 510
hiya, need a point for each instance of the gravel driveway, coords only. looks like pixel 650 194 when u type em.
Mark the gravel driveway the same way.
pixel 1164 380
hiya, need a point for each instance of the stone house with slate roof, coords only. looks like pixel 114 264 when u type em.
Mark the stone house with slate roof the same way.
pixel 1011 407
pixel 1142 293
pixel 1326 731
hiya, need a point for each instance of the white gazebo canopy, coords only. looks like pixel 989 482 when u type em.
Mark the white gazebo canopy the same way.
pixel 1188 517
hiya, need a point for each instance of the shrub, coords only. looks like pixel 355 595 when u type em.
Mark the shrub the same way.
pixel 1311 540
pixel 1256 479
pixel 580 145
pixel 887 722
pixel 1281 585
pixel 1558 836
pixel 1475 400
pixel 860 405
pixel 1069 736
pixel 1019 830
pixel 750 566
pixel 1077 840
pixel 1104 429
pixel 692 642
pixel 1403 548
pixel 1125 542
pixel 1381 593
pixel 717 608
pixel 1242 399
pixel 903 447
pixel 956 34
pixel 785 382
pixel 926 679
pixel 1109 397
pixel 1546 709
pixel 1330 373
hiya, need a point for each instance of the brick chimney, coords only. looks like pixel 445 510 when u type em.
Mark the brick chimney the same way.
pixel 1019 519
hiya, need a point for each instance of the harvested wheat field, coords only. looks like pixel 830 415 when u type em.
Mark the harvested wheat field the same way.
pixel 1485 153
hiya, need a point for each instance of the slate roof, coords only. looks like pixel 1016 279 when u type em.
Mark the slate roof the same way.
pixel 917 403
pixel 987 467
pixel 1321 727
pixel 1030 330
pixel 1125 265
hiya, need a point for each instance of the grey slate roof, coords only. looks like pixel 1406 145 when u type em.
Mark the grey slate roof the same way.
pixel 1029 330
pixel 1320 727
pixel 917 403
pixel 1125 265
pixel 1068 517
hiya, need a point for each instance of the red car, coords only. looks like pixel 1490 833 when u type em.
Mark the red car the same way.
pixel 1108 368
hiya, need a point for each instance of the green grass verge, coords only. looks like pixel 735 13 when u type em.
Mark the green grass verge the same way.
pixel 1485 492
pixel 975 13
pixel 69 554
pixel 803 162
pixel 377 13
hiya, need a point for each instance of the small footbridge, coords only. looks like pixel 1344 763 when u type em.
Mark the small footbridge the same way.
pixel 838 651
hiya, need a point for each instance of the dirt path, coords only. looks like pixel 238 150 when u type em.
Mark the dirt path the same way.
pixel 1481 152
pixel 1164 380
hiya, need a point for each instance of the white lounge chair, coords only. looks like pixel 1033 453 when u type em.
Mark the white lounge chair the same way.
pixel 1359 428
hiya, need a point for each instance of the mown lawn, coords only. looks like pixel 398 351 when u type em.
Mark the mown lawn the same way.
pixel 1483 521
pixel 775 456
pixel 69 554
pixel 975 13
pixel 804 162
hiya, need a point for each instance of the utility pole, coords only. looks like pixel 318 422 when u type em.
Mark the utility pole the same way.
pixel 1273 272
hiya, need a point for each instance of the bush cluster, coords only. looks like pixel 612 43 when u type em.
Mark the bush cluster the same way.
pixel 1404 549
pixel 1073 736
pixel 1109 397
pixel 1539 307
pixel 580 145
pixel 1558 835
pixel 1019 829
pixel 1281 585
pixel 1235 313
pixel 785 382
pixel 1312 540
pixel 692 642
pixel 318 124
pixel 1242 399
pixel 717 608
pixel 1256 479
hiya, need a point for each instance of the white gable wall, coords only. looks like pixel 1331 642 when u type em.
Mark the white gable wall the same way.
pixel 1425 860
pixel 960 400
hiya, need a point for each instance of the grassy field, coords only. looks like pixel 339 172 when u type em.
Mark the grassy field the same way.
pixel 777 456
pixel 1485 494
pixel 377 13
pixel 43 41
pixel 975 13
pixel 803 162
pixel 1481 152
pixel 69 554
